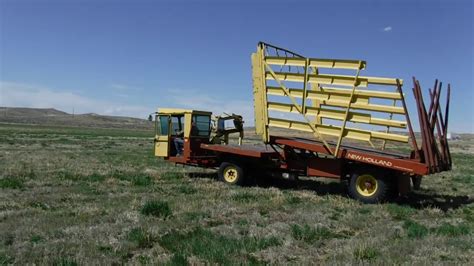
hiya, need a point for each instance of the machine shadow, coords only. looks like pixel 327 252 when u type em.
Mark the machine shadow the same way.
pixel 318 187
pixel 209 175
pixel 417 199
pixel 423 200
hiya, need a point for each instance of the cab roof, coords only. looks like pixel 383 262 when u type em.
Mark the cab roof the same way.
pixel 178 111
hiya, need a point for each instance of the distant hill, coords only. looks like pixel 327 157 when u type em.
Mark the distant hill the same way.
pixel 50 116
pixel 20 112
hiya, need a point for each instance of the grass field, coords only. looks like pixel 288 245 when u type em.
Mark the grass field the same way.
pixel 98 196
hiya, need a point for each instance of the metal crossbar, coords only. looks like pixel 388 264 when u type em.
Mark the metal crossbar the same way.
pixel 354 86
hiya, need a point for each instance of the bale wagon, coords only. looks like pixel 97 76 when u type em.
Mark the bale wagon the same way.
pixel 338 107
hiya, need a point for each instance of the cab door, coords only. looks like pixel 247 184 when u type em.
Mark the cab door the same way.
pixel 162 135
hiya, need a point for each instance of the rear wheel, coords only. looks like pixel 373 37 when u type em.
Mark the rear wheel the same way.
pixel 231 173
pixel 369 187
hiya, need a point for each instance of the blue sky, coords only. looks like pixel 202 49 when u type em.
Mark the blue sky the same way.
pixel 129 57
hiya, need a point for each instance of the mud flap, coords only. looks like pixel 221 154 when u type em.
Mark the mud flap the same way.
pixel 404 184
pixel 416 180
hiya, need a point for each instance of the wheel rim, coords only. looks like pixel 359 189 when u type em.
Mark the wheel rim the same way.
pixel 230 174
pixel 366 185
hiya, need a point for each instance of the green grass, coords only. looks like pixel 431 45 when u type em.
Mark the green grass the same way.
pixel 98 196
pixel 11 182
pixel 178 259
pixel 213 247
pixel 137 179
pixel 156 208
pixel 5 259
pixel 400 212
pixel 36 239
pixel 187 189
pixel 66 175
pixel 95 177
pixel 366 253
pixel 247 197
pixel 140 237
pixel 104 249
pixel 172 175
pixel 78 132
pixel 293 200
pixel 310 235
pixel 195 216
pixel 415 230
pixel 65 262
pixel 9 239
pixel 452 230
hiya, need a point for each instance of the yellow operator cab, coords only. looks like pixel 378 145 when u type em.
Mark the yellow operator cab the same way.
pixel 170 123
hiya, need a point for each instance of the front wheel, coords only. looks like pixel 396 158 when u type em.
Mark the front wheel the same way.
pixel 231 173
pixel 370 187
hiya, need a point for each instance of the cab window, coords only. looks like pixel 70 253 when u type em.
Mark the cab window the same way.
pixel 162 125
pixel 203 124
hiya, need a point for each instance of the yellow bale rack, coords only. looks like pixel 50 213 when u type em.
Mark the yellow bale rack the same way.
pixel 334 104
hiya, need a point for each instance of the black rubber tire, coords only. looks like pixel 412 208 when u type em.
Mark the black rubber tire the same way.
pixel 231 166
pixel 382 190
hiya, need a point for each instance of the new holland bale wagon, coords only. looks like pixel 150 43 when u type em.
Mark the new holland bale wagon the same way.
pixel 338 107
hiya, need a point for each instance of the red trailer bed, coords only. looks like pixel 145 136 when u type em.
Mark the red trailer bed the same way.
pixel 364 155
pixel 246 150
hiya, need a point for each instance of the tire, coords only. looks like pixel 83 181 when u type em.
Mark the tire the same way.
pixel 231 173
pixel 369 187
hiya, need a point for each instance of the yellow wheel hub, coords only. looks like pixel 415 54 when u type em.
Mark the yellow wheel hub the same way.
pixel 366 185
pixel 230 174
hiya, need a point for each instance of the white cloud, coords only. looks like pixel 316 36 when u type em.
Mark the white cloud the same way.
pixel 122 87
pixel 388 28
pixel 15 94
